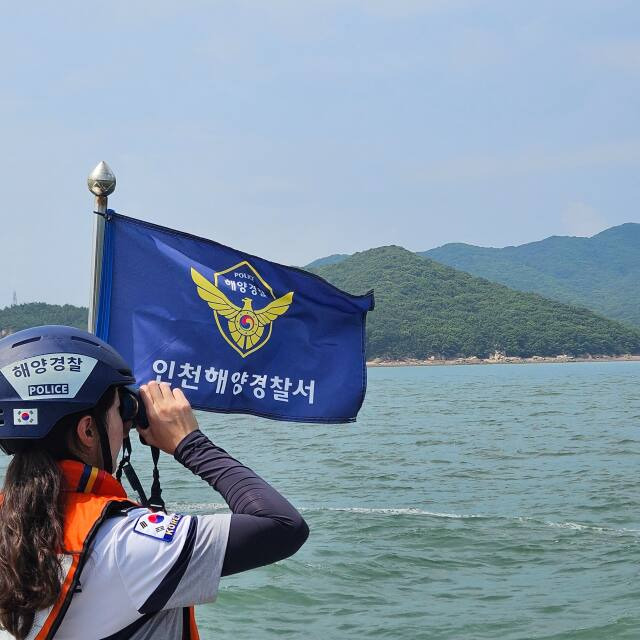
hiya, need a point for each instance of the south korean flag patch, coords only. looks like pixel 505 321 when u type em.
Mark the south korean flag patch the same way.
pixel 161 526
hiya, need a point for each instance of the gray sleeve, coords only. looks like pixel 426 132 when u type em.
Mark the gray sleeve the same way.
pixel 160 574
pixel 199 584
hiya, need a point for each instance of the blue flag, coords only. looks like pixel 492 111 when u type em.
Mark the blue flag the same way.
pixel 237 333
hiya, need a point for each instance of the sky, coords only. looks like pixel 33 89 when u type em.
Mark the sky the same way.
pixel 294 130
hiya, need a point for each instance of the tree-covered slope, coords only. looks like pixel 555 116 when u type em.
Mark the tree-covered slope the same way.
pixel 601 273
pixel 32 314
pixel 427 309
pixel 334 258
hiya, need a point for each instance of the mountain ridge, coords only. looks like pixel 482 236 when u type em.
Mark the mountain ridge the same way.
pixel 424 309
pixel 31 314
pixel 600 272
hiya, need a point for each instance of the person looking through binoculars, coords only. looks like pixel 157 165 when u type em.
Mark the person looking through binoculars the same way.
pixel 78 558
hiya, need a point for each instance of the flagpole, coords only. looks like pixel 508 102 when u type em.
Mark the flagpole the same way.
pixel 102 183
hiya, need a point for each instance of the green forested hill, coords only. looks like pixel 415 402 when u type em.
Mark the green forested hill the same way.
pixel 334 258
pixel 32 314
pixel 601 273
pixel 424 308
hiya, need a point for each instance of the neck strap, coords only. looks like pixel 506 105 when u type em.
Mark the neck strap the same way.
pixel 155 501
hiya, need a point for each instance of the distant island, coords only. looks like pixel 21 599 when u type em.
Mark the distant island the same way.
pixel 32 314
pixel 426 310
pixel 498 358
pixel 601 273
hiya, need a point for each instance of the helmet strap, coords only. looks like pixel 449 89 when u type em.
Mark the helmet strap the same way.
pixel 105 447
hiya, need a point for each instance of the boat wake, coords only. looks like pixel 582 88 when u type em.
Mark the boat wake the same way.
pixel 207 507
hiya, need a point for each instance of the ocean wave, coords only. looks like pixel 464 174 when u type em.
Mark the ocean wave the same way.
pixel 576 526
pixel 412 511
pixel 187 507
pixel 395 511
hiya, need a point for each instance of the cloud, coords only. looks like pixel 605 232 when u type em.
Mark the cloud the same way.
pixel 533 161
pixel 580 219
pixel 623 55
pixel 404 8
pixel 384 8
pixel 474 49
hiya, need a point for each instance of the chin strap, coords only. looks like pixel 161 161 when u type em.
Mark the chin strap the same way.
pixel 105 447
pixel 155 502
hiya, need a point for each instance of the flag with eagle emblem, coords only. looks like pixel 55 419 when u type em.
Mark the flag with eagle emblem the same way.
pixel 235 332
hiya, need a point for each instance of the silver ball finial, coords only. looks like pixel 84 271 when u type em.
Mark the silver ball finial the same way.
pixel 102 181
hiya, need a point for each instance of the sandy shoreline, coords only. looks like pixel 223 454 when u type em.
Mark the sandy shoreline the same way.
pixel 498 359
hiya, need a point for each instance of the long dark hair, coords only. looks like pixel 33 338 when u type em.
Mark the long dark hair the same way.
pixel 31 522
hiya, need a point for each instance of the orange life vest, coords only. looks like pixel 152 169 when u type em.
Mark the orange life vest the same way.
pixel 91 496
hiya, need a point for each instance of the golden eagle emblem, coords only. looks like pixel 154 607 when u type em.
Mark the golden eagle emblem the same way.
pixel 246 329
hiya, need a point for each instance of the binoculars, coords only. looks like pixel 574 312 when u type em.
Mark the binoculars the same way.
pixel 132 406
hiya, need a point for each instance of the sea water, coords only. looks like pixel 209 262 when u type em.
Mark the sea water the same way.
pixel 496 501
